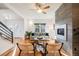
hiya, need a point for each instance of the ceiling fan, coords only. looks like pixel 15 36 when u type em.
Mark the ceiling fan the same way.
pixel 42 8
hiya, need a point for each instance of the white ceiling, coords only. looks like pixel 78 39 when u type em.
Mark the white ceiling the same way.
pixel 26 10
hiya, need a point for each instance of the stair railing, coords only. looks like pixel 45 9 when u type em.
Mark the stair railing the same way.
pixel 5 32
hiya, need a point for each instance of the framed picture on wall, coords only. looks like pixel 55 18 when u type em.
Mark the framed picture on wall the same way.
pixel 61 32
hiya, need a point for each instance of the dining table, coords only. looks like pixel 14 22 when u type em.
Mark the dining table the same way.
pixel 38 45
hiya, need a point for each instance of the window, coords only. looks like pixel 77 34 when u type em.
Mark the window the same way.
pixel 39 27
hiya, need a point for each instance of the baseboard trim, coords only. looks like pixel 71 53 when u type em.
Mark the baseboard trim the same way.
pixel 7 52
pixel 18 37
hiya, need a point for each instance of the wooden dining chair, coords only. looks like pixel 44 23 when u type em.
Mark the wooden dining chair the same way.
pixel 26 48
pixel 53 49
pixel 44 46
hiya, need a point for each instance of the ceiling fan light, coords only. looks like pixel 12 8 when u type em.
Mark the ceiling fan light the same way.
pixel 40 11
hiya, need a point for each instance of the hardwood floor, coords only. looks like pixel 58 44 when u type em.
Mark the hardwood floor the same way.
pixel 37 53
pixel 30 53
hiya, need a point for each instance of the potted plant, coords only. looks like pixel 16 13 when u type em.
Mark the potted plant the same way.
pixel 27 34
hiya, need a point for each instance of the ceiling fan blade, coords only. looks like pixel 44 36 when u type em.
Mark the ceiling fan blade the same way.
pixel 46 7
pixel 38 4
pixel 44 12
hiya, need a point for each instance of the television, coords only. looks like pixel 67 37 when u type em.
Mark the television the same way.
pixel 60 31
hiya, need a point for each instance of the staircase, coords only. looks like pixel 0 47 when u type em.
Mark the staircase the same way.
pixel 6 39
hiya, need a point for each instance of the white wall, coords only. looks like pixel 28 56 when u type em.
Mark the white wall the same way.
pixel 28 13
pixel 13 21
pixel 5 45
pixel 17 26
pixel 29 24
pixel 21 25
